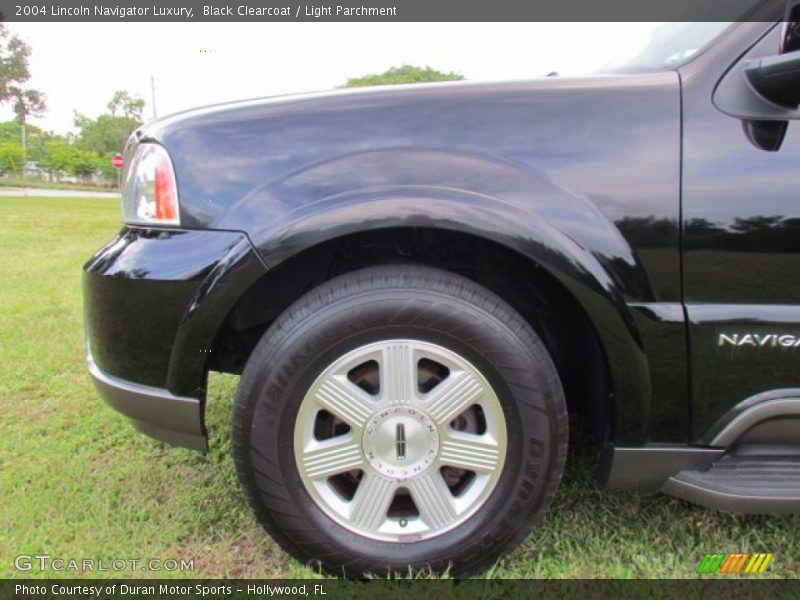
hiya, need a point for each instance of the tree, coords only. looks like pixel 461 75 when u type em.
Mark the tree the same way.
pixel 126 105
pixel 106 170
pixel 14 74
pixel 11 131
pixel 14 70
pixel 59 157
pixel 109 132
pixel 26 103
pixel 404 74
pixel 56 157
pixel 83 163
pixel 11 158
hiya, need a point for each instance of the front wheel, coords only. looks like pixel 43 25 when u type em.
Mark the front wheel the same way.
pixel 399 417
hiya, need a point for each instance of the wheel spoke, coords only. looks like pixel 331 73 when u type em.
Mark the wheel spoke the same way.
pixel 453 396
pixel 371 501
pixel 344 400
pixel 427 444
pixel 470 452
pixel 332 457
pixel 398 374
pixel 433 499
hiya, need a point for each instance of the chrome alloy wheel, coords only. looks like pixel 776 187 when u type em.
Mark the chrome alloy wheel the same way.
pixel 400 440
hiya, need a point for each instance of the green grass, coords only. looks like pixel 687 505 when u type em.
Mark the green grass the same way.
pixel 42 184
pixel 78 481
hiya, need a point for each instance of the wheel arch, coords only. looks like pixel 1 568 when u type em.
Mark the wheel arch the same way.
pixel 592 339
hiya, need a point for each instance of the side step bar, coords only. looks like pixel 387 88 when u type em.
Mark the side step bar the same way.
pixel 742 483
pixel 749 461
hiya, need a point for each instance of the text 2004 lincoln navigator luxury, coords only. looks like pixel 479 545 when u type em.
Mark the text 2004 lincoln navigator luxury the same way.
pixel 420 285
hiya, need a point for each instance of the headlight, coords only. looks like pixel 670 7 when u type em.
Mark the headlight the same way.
pixel 150 195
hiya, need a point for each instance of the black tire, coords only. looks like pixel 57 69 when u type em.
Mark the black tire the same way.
pixel 383 303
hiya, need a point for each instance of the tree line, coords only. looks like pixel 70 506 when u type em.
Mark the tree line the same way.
pixel 83 155
pixel 760 233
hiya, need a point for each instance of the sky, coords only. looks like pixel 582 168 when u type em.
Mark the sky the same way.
pixel 79 65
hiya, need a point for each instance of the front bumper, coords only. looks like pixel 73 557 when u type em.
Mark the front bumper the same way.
pixel 154 302
pixel 153 411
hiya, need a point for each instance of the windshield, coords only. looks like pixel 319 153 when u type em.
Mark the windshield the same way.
pixel 667 46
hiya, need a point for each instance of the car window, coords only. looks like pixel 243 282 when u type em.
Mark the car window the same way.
pixel 668 46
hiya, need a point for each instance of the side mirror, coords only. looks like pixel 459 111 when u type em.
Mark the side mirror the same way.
pixel 790 35
pixel 776 78
pixel 764 92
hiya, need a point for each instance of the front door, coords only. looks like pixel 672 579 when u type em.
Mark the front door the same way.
pixel 741 253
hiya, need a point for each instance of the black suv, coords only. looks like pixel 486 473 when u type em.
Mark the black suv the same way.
pixel 420 284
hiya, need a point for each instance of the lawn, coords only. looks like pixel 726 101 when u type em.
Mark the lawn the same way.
pixel 41 184
pixel 79 482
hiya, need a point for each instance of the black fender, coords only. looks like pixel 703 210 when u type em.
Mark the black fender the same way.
pixel 559 230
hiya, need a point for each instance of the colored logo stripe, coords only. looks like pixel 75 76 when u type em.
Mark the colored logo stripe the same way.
pixel 758 563
pixel 734 563
pixel 710 563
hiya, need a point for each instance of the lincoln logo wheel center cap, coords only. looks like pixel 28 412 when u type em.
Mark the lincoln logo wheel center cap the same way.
pixel 400 442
